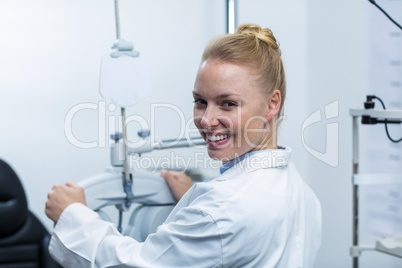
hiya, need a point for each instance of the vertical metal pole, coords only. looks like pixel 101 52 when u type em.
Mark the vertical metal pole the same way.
pixel 116 13
pixel 127 182
pixel 126 178
pixel 231 6
pixel 355 146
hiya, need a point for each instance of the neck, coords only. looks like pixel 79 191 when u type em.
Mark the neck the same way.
pixel 268 143
pixel 270 139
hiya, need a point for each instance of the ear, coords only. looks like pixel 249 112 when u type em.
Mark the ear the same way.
pixel 274 103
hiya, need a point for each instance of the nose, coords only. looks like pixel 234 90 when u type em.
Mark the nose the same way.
pixel 210 118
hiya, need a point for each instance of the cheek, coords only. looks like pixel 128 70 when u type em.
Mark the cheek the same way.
pixel 255 123
pixel 230 121
pixel 197 118
pixel 252 126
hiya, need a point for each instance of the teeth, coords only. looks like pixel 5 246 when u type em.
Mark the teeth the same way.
pixel 217 137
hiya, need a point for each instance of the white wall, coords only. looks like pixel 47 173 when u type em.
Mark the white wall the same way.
pixel 336 73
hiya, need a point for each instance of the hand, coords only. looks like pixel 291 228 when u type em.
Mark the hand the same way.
pixel 178 182
pixel 61 196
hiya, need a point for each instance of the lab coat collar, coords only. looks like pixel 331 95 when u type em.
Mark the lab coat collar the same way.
pixel 278 158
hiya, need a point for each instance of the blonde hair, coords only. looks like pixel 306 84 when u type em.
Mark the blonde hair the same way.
pixel 255 47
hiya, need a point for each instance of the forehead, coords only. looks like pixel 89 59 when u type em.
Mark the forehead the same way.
pixel 216 77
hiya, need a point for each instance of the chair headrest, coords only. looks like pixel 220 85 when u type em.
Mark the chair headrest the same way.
pixel 13 202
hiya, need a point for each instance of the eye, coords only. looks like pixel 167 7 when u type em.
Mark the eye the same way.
pixel 229 104
pixel 199 102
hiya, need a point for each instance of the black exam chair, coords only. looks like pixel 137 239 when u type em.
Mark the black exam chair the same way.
pixel 23 238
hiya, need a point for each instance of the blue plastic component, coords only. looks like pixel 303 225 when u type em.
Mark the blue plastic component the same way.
pixel 116 136
pixel 144 133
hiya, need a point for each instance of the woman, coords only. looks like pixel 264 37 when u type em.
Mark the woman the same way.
pixel 258 213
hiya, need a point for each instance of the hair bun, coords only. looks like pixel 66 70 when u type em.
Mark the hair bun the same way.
pixel 256 31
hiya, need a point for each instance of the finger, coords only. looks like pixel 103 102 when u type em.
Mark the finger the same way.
pixel 171 176
pixel 167 174
pixel 163 173
pixel 72 184
pixel 171 179
pixel 56 186
pixel 49 195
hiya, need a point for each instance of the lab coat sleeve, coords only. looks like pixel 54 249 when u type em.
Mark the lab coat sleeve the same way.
pixel 81 239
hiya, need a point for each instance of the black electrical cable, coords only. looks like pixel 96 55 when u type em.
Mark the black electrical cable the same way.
pixel 386 125
pixel 385 13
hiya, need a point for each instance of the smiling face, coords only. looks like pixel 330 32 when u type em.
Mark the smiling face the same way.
pixel 232 111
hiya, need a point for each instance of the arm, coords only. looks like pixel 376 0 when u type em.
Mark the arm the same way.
pixel 82 239
pixel 61 196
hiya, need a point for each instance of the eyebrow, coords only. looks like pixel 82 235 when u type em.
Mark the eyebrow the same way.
pixel 222 96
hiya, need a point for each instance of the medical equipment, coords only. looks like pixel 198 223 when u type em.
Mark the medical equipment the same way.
pixel 391 245
pixel 124 80
pixel 372 120
pixel 148 192
pixel 385 198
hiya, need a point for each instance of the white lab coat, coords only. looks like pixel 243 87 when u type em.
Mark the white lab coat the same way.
pixel 259 213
